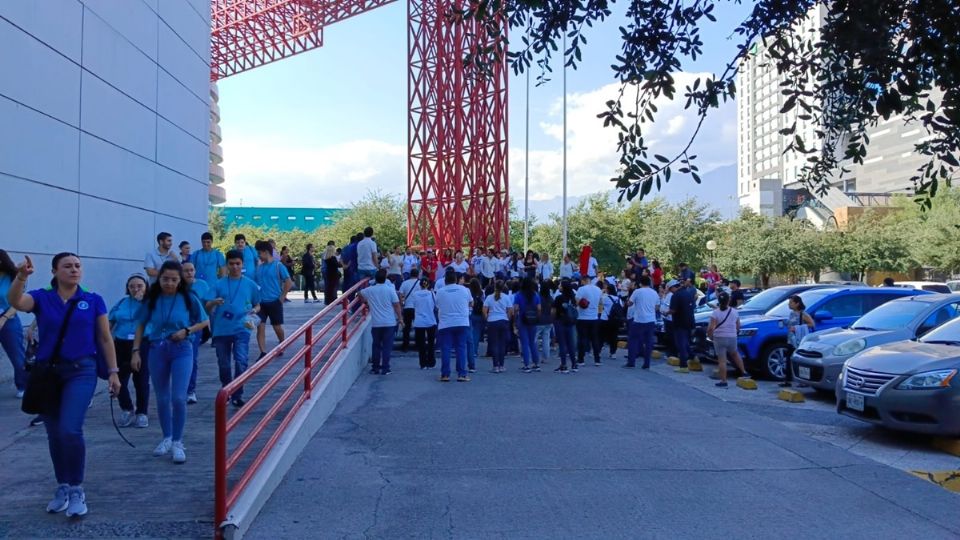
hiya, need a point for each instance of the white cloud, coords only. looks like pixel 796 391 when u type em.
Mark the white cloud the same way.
pixel 267 172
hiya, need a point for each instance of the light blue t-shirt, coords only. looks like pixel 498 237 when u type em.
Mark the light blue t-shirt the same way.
pixel 5 282
pixel 125 316
pixel 201 290
pixel 239 296
pixel 208 264
pixel 269 276
pixel 249 261
pixel 170 315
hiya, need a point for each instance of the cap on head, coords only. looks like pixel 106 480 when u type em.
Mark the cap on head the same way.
pixel 673 283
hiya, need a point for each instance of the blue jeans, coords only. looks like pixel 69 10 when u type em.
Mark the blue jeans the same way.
pixel 455 338
pixel 68 450
pixel 565 343
pixel 239 345
pixel 382 346
pixel 497 334
pixel 543 338
pixel 640 338
pixel 11 339
pixel 170 367
pixel 528 344
pixel 477 323
pixel 681 337
pixel 195 339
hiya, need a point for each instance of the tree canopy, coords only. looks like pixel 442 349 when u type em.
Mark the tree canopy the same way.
pixel 873 59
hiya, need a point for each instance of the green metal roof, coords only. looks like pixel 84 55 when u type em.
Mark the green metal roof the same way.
pixel 284 219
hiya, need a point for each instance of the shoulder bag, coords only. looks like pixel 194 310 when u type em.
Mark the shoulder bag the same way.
pixel 42 395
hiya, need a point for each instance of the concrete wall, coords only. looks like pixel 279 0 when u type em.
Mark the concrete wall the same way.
pixel 104 130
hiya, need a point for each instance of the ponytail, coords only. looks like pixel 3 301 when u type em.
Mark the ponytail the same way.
pixel 723 299
pixel 497 290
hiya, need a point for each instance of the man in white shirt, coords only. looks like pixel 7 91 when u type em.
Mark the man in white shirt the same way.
pixel 453 307
pixel 643 324
pixel 385 315
pixel 592 267
pixel 155 259
pixel 545 269
pixel 588 326
pixel 487 268
pixel 410 261
pixel 367 260
pixel 407 288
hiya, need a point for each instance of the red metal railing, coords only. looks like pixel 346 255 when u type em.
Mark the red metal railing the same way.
pixel 340 321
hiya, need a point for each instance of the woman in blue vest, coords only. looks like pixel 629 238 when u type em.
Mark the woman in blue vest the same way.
pixel 171 315
pixel 88 330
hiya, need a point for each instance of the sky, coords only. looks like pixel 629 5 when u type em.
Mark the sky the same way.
pixel 323 128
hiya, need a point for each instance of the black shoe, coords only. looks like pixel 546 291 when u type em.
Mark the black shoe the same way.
pixel 237 402
pixel 36 421
pixel 386 372
pixel 644 367
pixel 261 356
pixel 536 367
pixel 525 369
pixel 629 366
pixel 785 384
pixel 721 384
pixel 374 371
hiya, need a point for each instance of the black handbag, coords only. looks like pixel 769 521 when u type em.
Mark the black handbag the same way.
pixel 42 395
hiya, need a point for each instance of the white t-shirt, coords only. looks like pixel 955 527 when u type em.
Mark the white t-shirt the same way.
pixel 487 267
pixel 459 267
pixel 424 304
pixel 546 270
pixel 592 267
pixel 409 263
pixel 498 309
pixel 607 302
pixel 407 288
pixel 366 249
pixel 395 263
pixel 566 270
pixel 381 298
pixel 592 293
pixel 453 305
pixel 645 302
pixel 665 306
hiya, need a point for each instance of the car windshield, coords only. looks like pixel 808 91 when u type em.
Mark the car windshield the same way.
pixel 891 316
pixel 809 298
pixel 764 301
pixel 947 333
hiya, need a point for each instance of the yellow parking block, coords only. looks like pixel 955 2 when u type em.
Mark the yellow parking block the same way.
pixel 949 480
pixel 695 365
pixel 747 384
pixel 673 361
pixel 950 446
pixel 791 396
pixel 657 354
pixel 681 370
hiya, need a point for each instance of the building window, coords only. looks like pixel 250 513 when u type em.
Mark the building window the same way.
pixel 308 218
pixel 274 218
pixel 256 218
pixel 291 218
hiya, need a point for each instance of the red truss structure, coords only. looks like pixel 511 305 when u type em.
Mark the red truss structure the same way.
pixel 457 182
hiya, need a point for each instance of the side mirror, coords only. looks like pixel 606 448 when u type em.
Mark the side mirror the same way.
pixel 822 316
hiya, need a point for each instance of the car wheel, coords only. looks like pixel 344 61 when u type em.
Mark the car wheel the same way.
pixel 774 360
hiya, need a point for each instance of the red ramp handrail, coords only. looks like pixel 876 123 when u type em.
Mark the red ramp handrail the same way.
pixel 346 315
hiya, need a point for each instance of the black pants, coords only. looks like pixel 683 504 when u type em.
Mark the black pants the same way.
pixel 427 345
pixel 141 379
pixel 309 285
pixel 330 286
pixel 668 339
pixel 609 331
pixel 408 315
pixel 588 336
pixel 788 369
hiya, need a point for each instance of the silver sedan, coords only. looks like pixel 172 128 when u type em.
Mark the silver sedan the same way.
pixel 906 385
pixel 821 355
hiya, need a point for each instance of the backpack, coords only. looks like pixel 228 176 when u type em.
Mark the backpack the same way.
pixel 530 315
pixel 617 314
pixel 570 312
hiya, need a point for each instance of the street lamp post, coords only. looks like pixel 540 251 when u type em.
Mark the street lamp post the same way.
pixel 711 247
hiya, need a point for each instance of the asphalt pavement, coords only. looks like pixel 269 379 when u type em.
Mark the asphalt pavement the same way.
pixel 604 453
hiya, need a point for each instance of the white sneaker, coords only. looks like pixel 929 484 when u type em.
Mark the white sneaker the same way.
pixel 61 499
pixel 179 456
pixel 191 398
pixel 19 394
pixel 126 419
pixel 163 448
pixel 77 502
pixel 142 421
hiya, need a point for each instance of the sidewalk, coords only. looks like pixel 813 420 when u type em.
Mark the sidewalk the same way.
pixel 130 493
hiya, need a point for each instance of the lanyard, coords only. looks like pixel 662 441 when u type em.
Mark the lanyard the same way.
pixel 233 295
pixel 166 318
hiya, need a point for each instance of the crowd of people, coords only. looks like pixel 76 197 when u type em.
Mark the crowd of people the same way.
pixel 518 304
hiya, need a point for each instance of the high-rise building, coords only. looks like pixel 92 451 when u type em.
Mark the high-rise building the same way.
pixel 105 130
pixel 768 177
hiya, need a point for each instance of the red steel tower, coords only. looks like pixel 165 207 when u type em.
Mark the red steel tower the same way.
pixel 457 185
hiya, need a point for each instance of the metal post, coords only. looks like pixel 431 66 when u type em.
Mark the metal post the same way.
pixel 220 462
pixel 526 175
pixel 308 363
pixel 564 141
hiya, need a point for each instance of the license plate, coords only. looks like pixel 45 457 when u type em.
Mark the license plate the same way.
pixel 803 372
pixel 855 402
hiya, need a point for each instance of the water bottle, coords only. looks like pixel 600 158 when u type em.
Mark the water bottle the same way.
pixel 251 320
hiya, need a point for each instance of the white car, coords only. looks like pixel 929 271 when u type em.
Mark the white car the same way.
pixel 932 286
pixel 954 285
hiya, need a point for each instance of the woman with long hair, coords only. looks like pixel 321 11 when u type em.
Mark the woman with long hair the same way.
pixel 425 324
pixel 611 316
pixel 528 316
pixel 331 274
pixel 565 311
pixel 308 269
pixel 86 333
pixel 545 324
pixel 799 324
pixel 11 329
pixel 723 330
pixel 476 323
pixel 124 318
pixel 170 316
pixel 497 309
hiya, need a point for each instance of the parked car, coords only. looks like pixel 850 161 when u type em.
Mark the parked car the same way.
pixel 932 286
pixel 708 307
pixel 954 285
pixel 763 338
pixel 756 305
pixel 906 385
pixel 821 355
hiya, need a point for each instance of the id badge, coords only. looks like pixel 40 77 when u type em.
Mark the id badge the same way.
pixel 202 276
pixel 228 315
pixel 130 337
